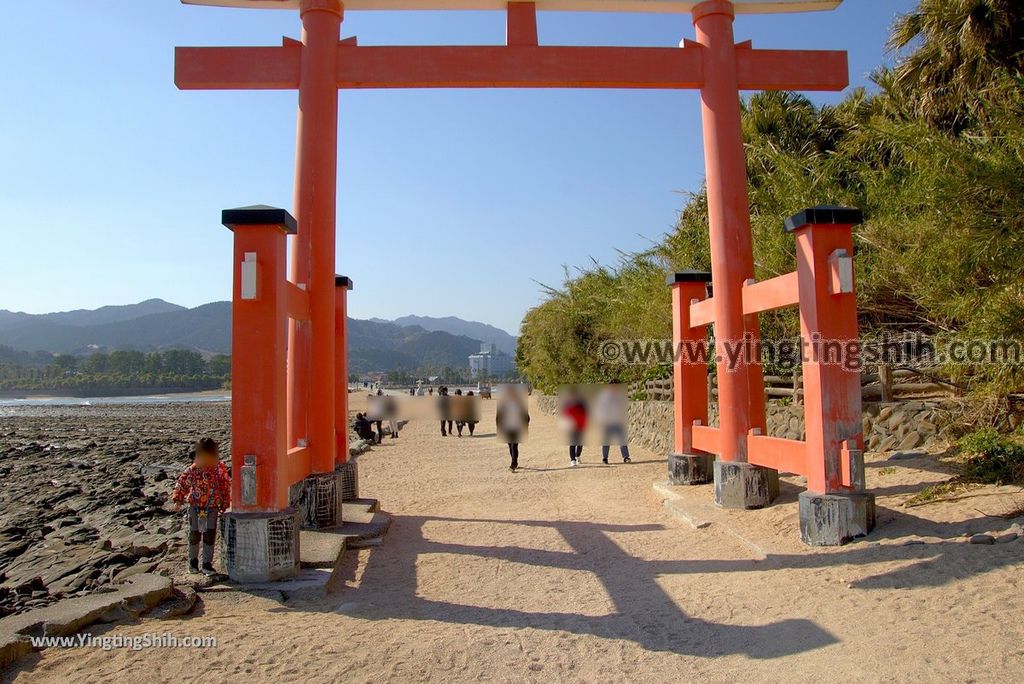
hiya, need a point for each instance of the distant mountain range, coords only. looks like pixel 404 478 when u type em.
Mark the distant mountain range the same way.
pixel 105 314
pixel 375 345
pixel 378 345
pixel 148 326
pixel 456 326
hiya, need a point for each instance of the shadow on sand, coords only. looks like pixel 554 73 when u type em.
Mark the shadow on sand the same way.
pixel 644 613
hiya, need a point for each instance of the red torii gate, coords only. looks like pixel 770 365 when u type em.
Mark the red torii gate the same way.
pixel 322 63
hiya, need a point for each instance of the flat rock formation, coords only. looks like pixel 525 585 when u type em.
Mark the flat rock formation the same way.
pixel 84 496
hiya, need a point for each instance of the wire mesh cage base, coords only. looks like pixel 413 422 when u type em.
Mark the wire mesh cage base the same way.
pixel 260 547
pixel 349 472
pixel 318 499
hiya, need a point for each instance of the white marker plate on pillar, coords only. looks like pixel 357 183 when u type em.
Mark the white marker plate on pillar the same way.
pixel 249 276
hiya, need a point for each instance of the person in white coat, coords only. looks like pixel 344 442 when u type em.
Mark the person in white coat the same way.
pixel 610 416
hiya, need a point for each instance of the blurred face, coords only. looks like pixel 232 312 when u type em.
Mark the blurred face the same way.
pixel 206 459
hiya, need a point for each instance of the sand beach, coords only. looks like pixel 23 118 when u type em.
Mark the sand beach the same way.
pixel 552 573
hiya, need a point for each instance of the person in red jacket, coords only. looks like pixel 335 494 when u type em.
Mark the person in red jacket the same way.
pixel 574 418
pixel 205 488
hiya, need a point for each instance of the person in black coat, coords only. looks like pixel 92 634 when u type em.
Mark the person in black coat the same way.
pixel 444 408
pixel 364 428
pixel 513 419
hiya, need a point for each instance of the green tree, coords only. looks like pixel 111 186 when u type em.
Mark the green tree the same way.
pixel 956 51
pixel 219 366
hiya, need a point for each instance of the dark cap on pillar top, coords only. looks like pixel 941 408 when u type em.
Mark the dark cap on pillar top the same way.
pixel 844 216
pixel 259 215
pixel 688 277
pixel 343 281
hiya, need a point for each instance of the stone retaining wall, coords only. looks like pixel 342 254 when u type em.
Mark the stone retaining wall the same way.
pixel 924 424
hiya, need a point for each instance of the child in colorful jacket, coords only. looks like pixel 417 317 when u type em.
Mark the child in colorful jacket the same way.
pixel 205 488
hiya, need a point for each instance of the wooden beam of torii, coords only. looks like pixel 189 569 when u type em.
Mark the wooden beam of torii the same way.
pixel 522 63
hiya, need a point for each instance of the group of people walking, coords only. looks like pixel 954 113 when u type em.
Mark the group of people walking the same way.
pixel 594 410
pixel 581 408
pixel 608 410
pixel 512 417
pixel 458 409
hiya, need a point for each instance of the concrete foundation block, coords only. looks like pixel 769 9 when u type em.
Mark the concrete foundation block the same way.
pixel 744 486
pixel 318 499
pixel 349 480
pixel 835 519
pixel 690 469
pixel 260 547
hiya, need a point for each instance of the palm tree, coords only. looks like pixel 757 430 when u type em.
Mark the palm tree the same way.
pixel 960 50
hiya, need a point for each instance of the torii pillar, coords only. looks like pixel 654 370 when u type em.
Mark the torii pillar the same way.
pixel 312 250
pixel 346 464
pixel 738 484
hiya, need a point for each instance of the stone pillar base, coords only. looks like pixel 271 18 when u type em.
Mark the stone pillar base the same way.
pixel 260 547
pixel 318 500
pixel 349 472
pixel 835 519
pixel 744 486
pixel 690 469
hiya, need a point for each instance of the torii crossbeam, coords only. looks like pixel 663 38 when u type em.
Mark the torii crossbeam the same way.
pixel 321 64
pixel 522 64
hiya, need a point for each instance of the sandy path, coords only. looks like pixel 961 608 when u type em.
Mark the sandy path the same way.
pixel 578 575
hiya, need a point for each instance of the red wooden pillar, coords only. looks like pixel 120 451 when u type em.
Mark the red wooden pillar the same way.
pixel 828 330
pixel 312 360
pixel 738 484
pixel 258 350
pixel 834 508
pixel 687 464
pixel 740 384
pixel 343 285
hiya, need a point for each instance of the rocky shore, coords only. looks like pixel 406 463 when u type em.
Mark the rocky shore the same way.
pixel 84 496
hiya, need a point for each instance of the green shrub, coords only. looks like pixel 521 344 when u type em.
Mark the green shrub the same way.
pixel 991 458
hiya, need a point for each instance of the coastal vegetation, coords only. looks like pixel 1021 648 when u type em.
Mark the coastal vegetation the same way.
pixel 932 152
pixel 103 373
pixel 982 457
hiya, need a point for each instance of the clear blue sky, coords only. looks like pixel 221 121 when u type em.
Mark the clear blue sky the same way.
pixel 450 202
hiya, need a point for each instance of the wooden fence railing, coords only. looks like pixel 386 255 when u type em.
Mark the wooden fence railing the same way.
pixel 883 382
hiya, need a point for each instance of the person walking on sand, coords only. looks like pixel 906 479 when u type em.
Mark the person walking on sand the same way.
pixel 610 415
pixel 206 488
pixel 574 419
pixel 375 413
pixel 513 419
pixel 391 413
pixel 459 411
pixel 444 410
pixel 473 412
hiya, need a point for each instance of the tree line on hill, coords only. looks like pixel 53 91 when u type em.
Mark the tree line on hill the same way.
pixel 177 369
pixel 933 155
